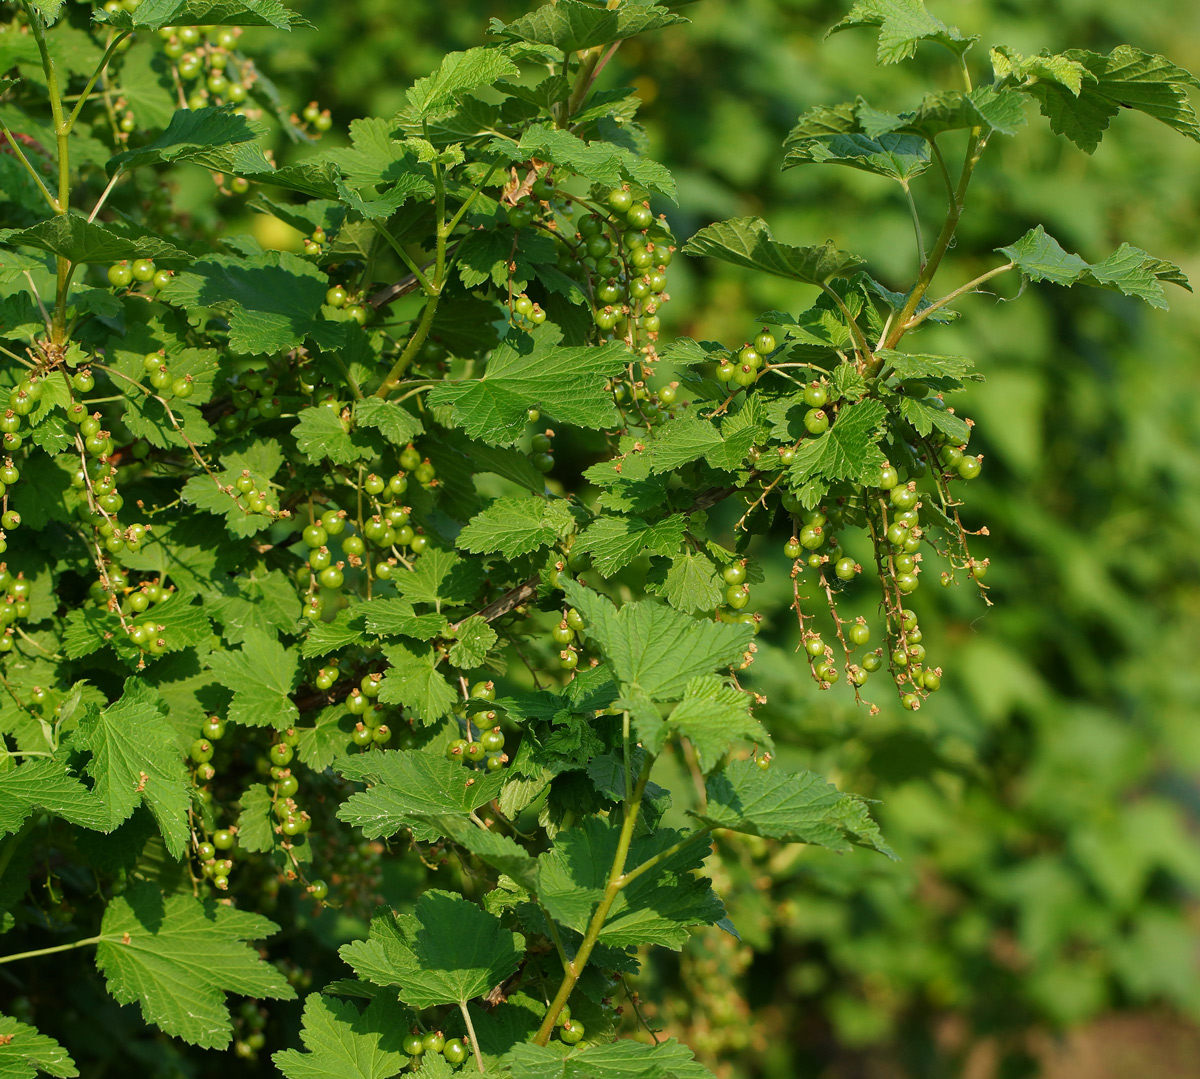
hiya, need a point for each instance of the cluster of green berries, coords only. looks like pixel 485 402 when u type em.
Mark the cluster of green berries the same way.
pixel 252 397
pixel 416 1045
pixel 371 730
pixel 567 634
pixel 737 596
pixel 249 1025
pixel 143 629
pixel 124 273
pixel 744 368
pixel 525 311
pixel 488 749
pixel 159 375
pixel 15 607
pixel 245 492
pixel 339 297
pixel 208 67
pixel 571 1031
pixel 314 242
pixel 540 445
pixel 313 116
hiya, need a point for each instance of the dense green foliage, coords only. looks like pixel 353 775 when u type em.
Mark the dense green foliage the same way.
pixel 269 512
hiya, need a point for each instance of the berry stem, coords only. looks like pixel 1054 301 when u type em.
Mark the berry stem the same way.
pixel 50 951
pixel 466 1014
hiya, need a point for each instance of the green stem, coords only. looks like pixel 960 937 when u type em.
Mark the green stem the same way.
pixel 860 342
pixel 975 147
pixel 466 1014
pixel 625 746
pixel 616 881
pixel 663 855
pixel 970 286
pixel 87 90
pixel 358 395
pixel 410 350
pixel 50 951
pixel 16 149
pixel 916 220
pixel 404 256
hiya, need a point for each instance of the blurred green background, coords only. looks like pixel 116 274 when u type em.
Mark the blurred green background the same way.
pixel 1044 804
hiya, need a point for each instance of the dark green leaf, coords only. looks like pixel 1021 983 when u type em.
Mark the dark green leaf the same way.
pixel 747 242
pixel 78 240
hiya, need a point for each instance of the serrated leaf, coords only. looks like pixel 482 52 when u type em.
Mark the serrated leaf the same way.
pixel 326 637
pixel 395 617
pixel 267 603
pixel 623 1059
pixel 712 716
pixel 155 14
pixel 408 789
pixel 1125 78
pixel 747 242
pixel 689 583
pixel 655 651
pixel 256 821
pixel 598 161
pixel 527 371
pixel 24 1052
pixel 926 417
pixel 46 784
pixel 898 157
pixel 413 681
pixel 491 848
pixel 213 138
pixel 396 424
pixel 76 239
pixel 273 299
pixel 986 107
pixel 1040 257
pixel 344 1043
pixel 1051 67
pixel 903 25
pixel 136 760
pixel 793 807
pixel 906 365
pixel 177 957
pixel 658 907
pixel 260 675
pixel 440 576
pixel 614 542
pixel 517 526
pixel 847 451
pixel 571 25
pixel 320 435
pixel 475 639
pixel 1132 272
pixel 455 75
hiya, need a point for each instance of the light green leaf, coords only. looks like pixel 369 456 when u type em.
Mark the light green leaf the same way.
pixel 475 639
pixel 847 451
pixel 571 25
pixel 395 617
pixel 689 583
pixel 267 603
pixel 78 240
pixel 321 433
pixel 456 74
pixel 598 161
pixel 947 372
pixel 413 682
pixel 528 371
pixel 24 1052
pixel 624 1059
pixel 177 957
pixel 214 138
pixel 260 675
pixel 1125 78
pixel 155 14
pixel 491 848
pixel 903 25
pixel 747 242
pixel 409 788
pixel 793 807
pixel 46 784
pixel 517 526
pixel 712 716
pixel 898 157
pixel 256 821
pixel 1049 67
pixel 440 576
pixel 925 417
pixel 395 423
pixel 614 542
pixel 344 1043
pixel 135 760
pixel 655 651
pixel 658 907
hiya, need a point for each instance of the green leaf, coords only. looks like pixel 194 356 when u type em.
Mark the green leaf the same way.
pixel 326 637
pixel 214 138
pixel 330 737
pixel 793 807
pixel 847 451
pixel 653 650
pixel 407 788
pixel 177 957
pixel 528 371
pixel 273 299
pixel 475 639
pixel 689 583
pixel 712 716
pixel 498 851
pixel 344 1043
pixel 456 74
pixel 321 433
pixel 614 542
pixel 440 576
pixel 395 617
pixel 926 417
pixel 658 907
pixel 1126 78
pixel 24 1052
pixel 937 370
pixel 76 239
pixel 898 157
pixel 1040 257
pixel 135 760
pixel 1046 66
pixel 45 784
pixel 256 821
pixel 747 242
pixel 267 603
pixel 394 422
pixel 155 14
pixel 413 681
pixel 903 25
pixel 1001 111
pixel 260 675
pixel 599 161
pixel 572 25
pixel 624 1059
pixel 517 526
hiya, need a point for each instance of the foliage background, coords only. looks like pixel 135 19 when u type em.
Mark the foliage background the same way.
pixel 1045 801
